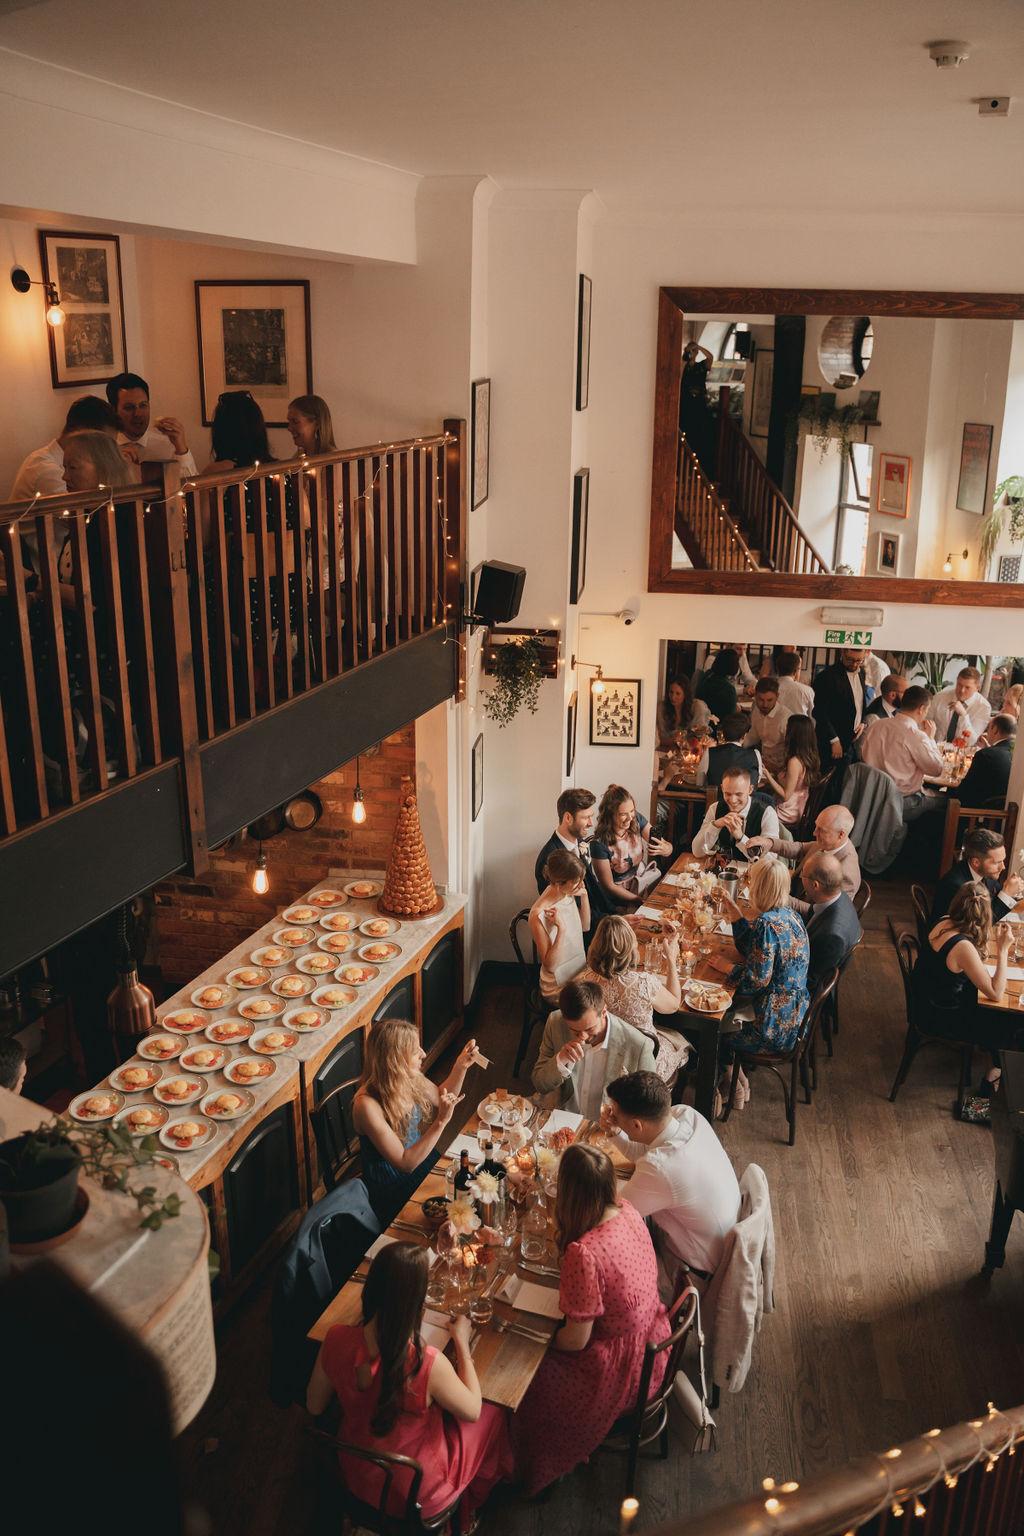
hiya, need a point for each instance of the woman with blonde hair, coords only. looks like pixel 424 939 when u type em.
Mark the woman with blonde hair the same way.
pixel 635 995
pixel 400 1114
pixel 771 981
pixel 1011 700
pixel 608 1293
pixel 557 923
pixel 310 425
pixel 93 461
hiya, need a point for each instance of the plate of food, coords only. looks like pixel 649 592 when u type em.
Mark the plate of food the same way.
pixel 272 1042
pixel 294 938
pixel 178 1090
pixel 492 1108
pixel 333 997
pixel 185 1021
pixel 336 943
pixel 327 897
pixel 135 1077
pixel 204 1058
pixel 142 1119
pixel 292 986
pixel 357 975
pixel 316 964
pixel 271 956
pixel 187 1135
pixel 91 1108
pixel 379 953
pixel 262 1008
pixel 363 890
pixel 229 1104
pixel 305 1019
pixel 229 1031
pixel 706 997
pixel 339 922
pixel 160 1048
pixel 245 977
pixel 249 1069
pixel 380 927
pixel 215 995
pixel 301 915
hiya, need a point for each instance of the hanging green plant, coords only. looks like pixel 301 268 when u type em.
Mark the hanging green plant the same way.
pixel 828 423
pixel 517 676
pixel 1007 516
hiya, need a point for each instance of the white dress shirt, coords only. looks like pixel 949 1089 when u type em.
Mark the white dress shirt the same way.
pixel 769 733
pixel 901 749
pixel 706 840
pixel 857 689
pixel 685 1182
pixel 156 448
pixel 978 712
pixel 797 698
pixel 43 471
pixel 589 1081
pixel 1009 902
pixel 745 672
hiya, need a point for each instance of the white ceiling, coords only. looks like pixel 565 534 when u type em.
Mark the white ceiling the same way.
pixel 790 104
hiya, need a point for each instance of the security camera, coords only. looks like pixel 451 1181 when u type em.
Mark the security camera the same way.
pixel 627 615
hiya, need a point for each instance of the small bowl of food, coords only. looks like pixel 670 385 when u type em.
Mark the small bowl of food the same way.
pixel 272 1042
pixel 363 890
pixel 333 997
pixel 380 952
pixel 245 977
pixel 260 1009
pixel 142 1119
pixel 160 1048
pixel 229 1031
pixel 204 1058
pixel 178 1090
pixel 185 1021
pixel 301 915
pixel 357 975
pixel 435 1210
pixel 294 938
pixel 216 995
pixel 292 986
pixel 186 1135
pixel 339 922
pixel 229 1104
pixel 336 943
pixel 271 956
pixel 247 1070
pixel 305 1019
pixel 328 897
pixel 135 1077
pixel 380 927
pixel 316 964
pixel 91 1108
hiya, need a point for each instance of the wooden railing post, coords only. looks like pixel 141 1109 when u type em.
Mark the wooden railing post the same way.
pixel 454 551
pixel 165 528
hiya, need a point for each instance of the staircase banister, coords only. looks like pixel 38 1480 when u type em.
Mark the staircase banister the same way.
pixel 731 431
pixel 688 457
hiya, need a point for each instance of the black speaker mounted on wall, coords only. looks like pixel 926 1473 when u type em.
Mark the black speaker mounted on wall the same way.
pixel 499 593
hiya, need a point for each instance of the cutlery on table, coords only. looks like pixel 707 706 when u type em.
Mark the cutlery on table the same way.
pixel 409 1226
pixel 504 1325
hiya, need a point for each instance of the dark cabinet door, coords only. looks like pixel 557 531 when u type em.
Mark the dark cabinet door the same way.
pixel 261 1186
pixel 339 1067
pixel 400 1002
pixel 442 983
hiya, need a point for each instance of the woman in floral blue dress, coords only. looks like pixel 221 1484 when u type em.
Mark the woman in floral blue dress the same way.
pixel 772 978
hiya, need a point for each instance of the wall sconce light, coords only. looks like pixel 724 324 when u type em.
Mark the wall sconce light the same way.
pixel 358 803
pixel 21 283
pixel 948 562
pixel 597 684
pixel 260 878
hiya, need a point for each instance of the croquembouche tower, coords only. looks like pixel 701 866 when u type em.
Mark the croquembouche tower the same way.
pixel 408 885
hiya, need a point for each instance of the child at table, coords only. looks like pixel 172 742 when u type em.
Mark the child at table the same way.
pixel 558 920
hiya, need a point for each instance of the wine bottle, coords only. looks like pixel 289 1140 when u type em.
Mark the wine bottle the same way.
pixel 464 1174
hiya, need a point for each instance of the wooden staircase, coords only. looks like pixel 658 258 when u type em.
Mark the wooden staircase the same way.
pixel 703 523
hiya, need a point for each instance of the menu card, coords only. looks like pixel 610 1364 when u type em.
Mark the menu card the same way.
pixel 527 1297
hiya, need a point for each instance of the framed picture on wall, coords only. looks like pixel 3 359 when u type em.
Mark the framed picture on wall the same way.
pixel 481 461
pixel 571 712
pixel 975 452
pixel 893 485
pixel 887 556
pixel 478 775
pixel 86 272
pixel 254 337
pixel 580 506
pixel 583 343
pixel 761 393
pixel 615 713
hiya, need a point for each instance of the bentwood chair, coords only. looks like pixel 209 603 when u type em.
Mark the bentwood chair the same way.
pixel 830 1012
pixel 907 952
pixel 801 1059
pixel 394 1472
pixel 535 1007
pixel 647 1420
pixel 922 912
pixel 337 1144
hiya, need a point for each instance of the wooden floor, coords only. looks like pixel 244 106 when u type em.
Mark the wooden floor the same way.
pixel 882 1327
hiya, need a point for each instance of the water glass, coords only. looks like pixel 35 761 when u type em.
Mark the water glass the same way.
pixel 481 1310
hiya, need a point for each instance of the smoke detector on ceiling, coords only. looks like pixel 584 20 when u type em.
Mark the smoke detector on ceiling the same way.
pixel 949 55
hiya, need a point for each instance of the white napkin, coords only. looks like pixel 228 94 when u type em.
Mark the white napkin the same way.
pixel 672 880
pixel 724 927
pixel 462 1143
pixel 1014 973
pixel 559 1118
pixel 527 1297
pixel 651 912
pixel 385 1240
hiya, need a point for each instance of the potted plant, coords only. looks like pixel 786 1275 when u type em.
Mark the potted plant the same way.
pixel 39 1176
pixel 1007 515
pixel 517 676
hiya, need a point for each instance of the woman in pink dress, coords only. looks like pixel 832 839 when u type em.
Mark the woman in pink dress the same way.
pixel 801 773
pixel 609 1294
pixel 401 1395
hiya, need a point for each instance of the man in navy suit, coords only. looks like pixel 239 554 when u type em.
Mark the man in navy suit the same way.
pixel 841 697
pixel 982 859
pixel 576 816
pixel 988 777
pixel 833 927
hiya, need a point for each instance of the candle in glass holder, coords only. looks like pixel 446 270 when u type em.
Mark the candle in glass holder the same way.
pixel 628 1512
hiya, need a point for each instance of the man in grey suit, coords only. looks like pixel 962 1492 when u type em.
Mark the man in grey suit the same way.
pixel 584 1047
pixel 832 830
pixel 833 927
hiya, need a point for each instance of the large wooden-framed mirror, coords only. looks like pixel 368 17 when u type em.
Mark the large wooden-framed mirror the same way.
pixel 839 443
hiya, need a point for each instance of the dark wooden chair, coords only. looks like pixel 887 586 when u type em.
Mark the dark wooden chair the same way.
pixel 922 912
pixel 337 1143
pixel 862 900
pixel 647 1420
pixel 907 951
pixel 374 1517
pixel 830 1012
pixel 801 1060
pixel 535 1007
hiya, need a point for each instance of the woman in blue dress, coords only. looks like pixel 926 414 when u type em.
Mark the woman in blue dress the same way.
pixel 771 980
pixel 400 1114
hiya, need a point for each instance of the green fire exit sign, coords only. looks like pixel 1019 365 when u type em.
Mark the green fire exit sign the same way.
pixel 855 637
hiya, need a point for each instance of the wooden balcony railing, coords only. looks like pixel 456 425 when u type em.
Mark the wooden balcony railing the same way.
pixel 963 1481
pixel 770 522
pixel 703 523
pixel 138 624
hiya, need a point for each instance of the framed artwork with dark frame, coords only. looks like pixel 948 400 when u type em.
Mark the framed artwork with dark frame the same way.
pixel 571 712
pixel 86 271
pixel 761 392
pixel 481 458
pixel 615 713
pixel 887 555
pixel 580 508
pixel 975 453
pixel 478 776
pixel 583 343
pixel 254 337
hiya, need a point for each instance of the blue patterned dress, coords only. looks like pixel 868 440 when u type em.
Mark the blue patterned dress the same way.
pixel 773 976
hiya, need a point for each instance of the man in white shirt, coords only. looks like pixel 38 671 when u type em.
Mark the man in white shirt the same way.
pixel 735 817
pixel 961 710
pixel 794 695
pixel 768 725
pixel 158 442
pixel 747 677
pixel 43 470
pixel 683 1179
pixel 904 748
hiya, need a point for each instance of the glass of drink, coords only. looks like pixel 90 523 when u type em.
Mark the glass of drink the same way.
pixel 481 1309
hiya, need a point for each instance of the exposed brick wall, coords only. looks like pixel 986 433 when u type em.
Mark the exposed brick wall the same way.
pixel 197 921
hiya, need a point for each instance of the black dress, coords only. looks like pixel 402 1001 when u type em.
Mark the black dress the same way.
pixel 946 1004
pixel 695 419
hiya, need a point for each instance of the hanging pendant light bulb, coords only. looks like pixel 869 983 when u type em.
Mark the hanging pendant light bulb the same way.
pixel 260 878
pixel 54 310
pixel 358 803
